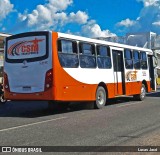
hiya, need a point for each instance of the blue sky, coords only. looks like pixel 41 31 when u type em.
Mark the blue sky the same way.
pixel 91 18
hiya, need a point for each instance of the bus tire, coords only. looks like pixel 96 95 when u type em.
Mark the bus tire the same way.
pixel 142 95
pixel 100 98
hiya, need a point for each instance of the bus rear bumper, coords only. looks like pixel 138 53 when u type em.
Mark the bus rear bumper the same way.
pixel 47 95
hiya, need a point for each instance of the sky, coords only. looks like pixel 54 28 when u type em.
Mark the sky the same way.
pixel 90 18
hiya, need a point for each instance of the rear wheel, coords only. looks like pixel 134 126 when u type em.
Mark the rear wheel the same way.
pixel 100 98
pixel 142 95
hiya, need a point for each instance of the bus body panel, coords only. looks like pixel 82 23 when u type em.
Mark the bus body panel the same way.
pixel 79 90
pixel 26 80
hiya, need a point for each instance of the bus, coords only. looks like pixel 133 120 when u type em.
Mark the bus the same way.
pixel 2 36
pixel 63 68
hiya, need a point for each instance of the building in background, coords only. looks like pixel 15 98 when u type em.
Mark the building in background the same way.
pixel 2 37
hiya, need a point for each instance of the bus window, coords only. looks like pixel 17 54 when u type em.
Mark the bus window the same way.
pixel 103 57
pixel 87 55
pixel 67 53
pixel 33 49
pixel 143 60
pixel 128 59
pixel 136 59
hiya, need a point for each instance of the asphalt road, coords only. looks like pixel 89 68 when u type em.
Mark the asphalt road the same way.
pixel 122 122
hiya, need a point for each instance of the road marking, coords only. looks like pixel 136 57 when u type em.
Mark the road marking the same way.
pixel 26 125
pixel 129 104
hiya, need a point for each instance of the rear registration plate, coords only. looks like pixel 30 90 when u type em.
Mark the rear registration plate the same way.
pixel 27 88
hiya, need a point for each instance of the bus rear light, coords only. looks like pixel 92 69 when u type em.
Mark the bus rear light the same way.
pixel 48 79
pixel 6 83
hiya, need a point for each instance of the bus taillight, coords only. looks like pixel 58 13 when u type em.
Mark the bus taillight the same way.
pixel 48 79
pixel 6 83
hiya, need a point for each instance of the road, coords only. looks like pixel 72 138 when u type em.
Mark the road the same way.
pixel 123 122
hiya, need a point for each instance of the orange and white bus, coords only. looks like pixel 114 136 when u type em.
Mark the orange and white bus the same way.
pixel 55 66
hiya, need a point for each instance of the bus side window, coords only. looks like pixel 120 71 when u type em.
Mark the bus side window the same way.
pixel 103 57
pixel 128 59
pixel 67 53
pixel 87 55
pixel 136 59
pixel 143 60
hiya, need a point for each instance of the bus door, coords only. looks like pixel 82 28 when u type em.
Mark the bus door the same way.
pixel 151 72
pixel 118 70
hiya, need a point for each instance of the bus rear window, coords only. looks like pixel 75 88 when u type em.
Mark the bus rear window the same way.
pixel 27 46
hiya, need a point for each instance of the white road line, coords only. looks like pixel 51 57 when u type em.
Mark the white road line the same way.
pixel 26 125
pixel 128 104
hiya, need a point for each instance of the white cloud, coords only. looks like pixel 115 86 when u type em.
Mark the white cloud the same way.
pixel 55 16
pixel 93 30
pixel 79 17
pixel 127 23
pixel 156 23
pixel 3 28
pixel 58 5
pixel 148 19
pixel 149 2
pixel 5 8
pixel 52 14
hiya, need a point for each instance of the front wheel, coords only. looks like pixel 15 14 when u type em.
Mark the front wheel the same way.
pixel 142 95
pixel 100 98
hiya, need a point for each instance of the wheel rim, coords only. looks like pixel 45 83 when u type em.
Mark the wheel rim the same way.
pixel 101 97
pixel 143 92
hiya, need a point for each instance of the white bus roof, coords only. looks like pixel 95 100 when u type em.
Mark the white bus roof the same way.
pixel 69 36
pixel 4 35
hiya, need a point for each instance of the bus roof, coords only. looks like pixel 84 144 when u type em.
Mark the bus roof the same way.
pixel 96 41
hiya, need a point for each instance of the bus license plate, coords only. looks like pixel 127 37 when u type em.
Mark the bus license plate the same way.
pixel 26 88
